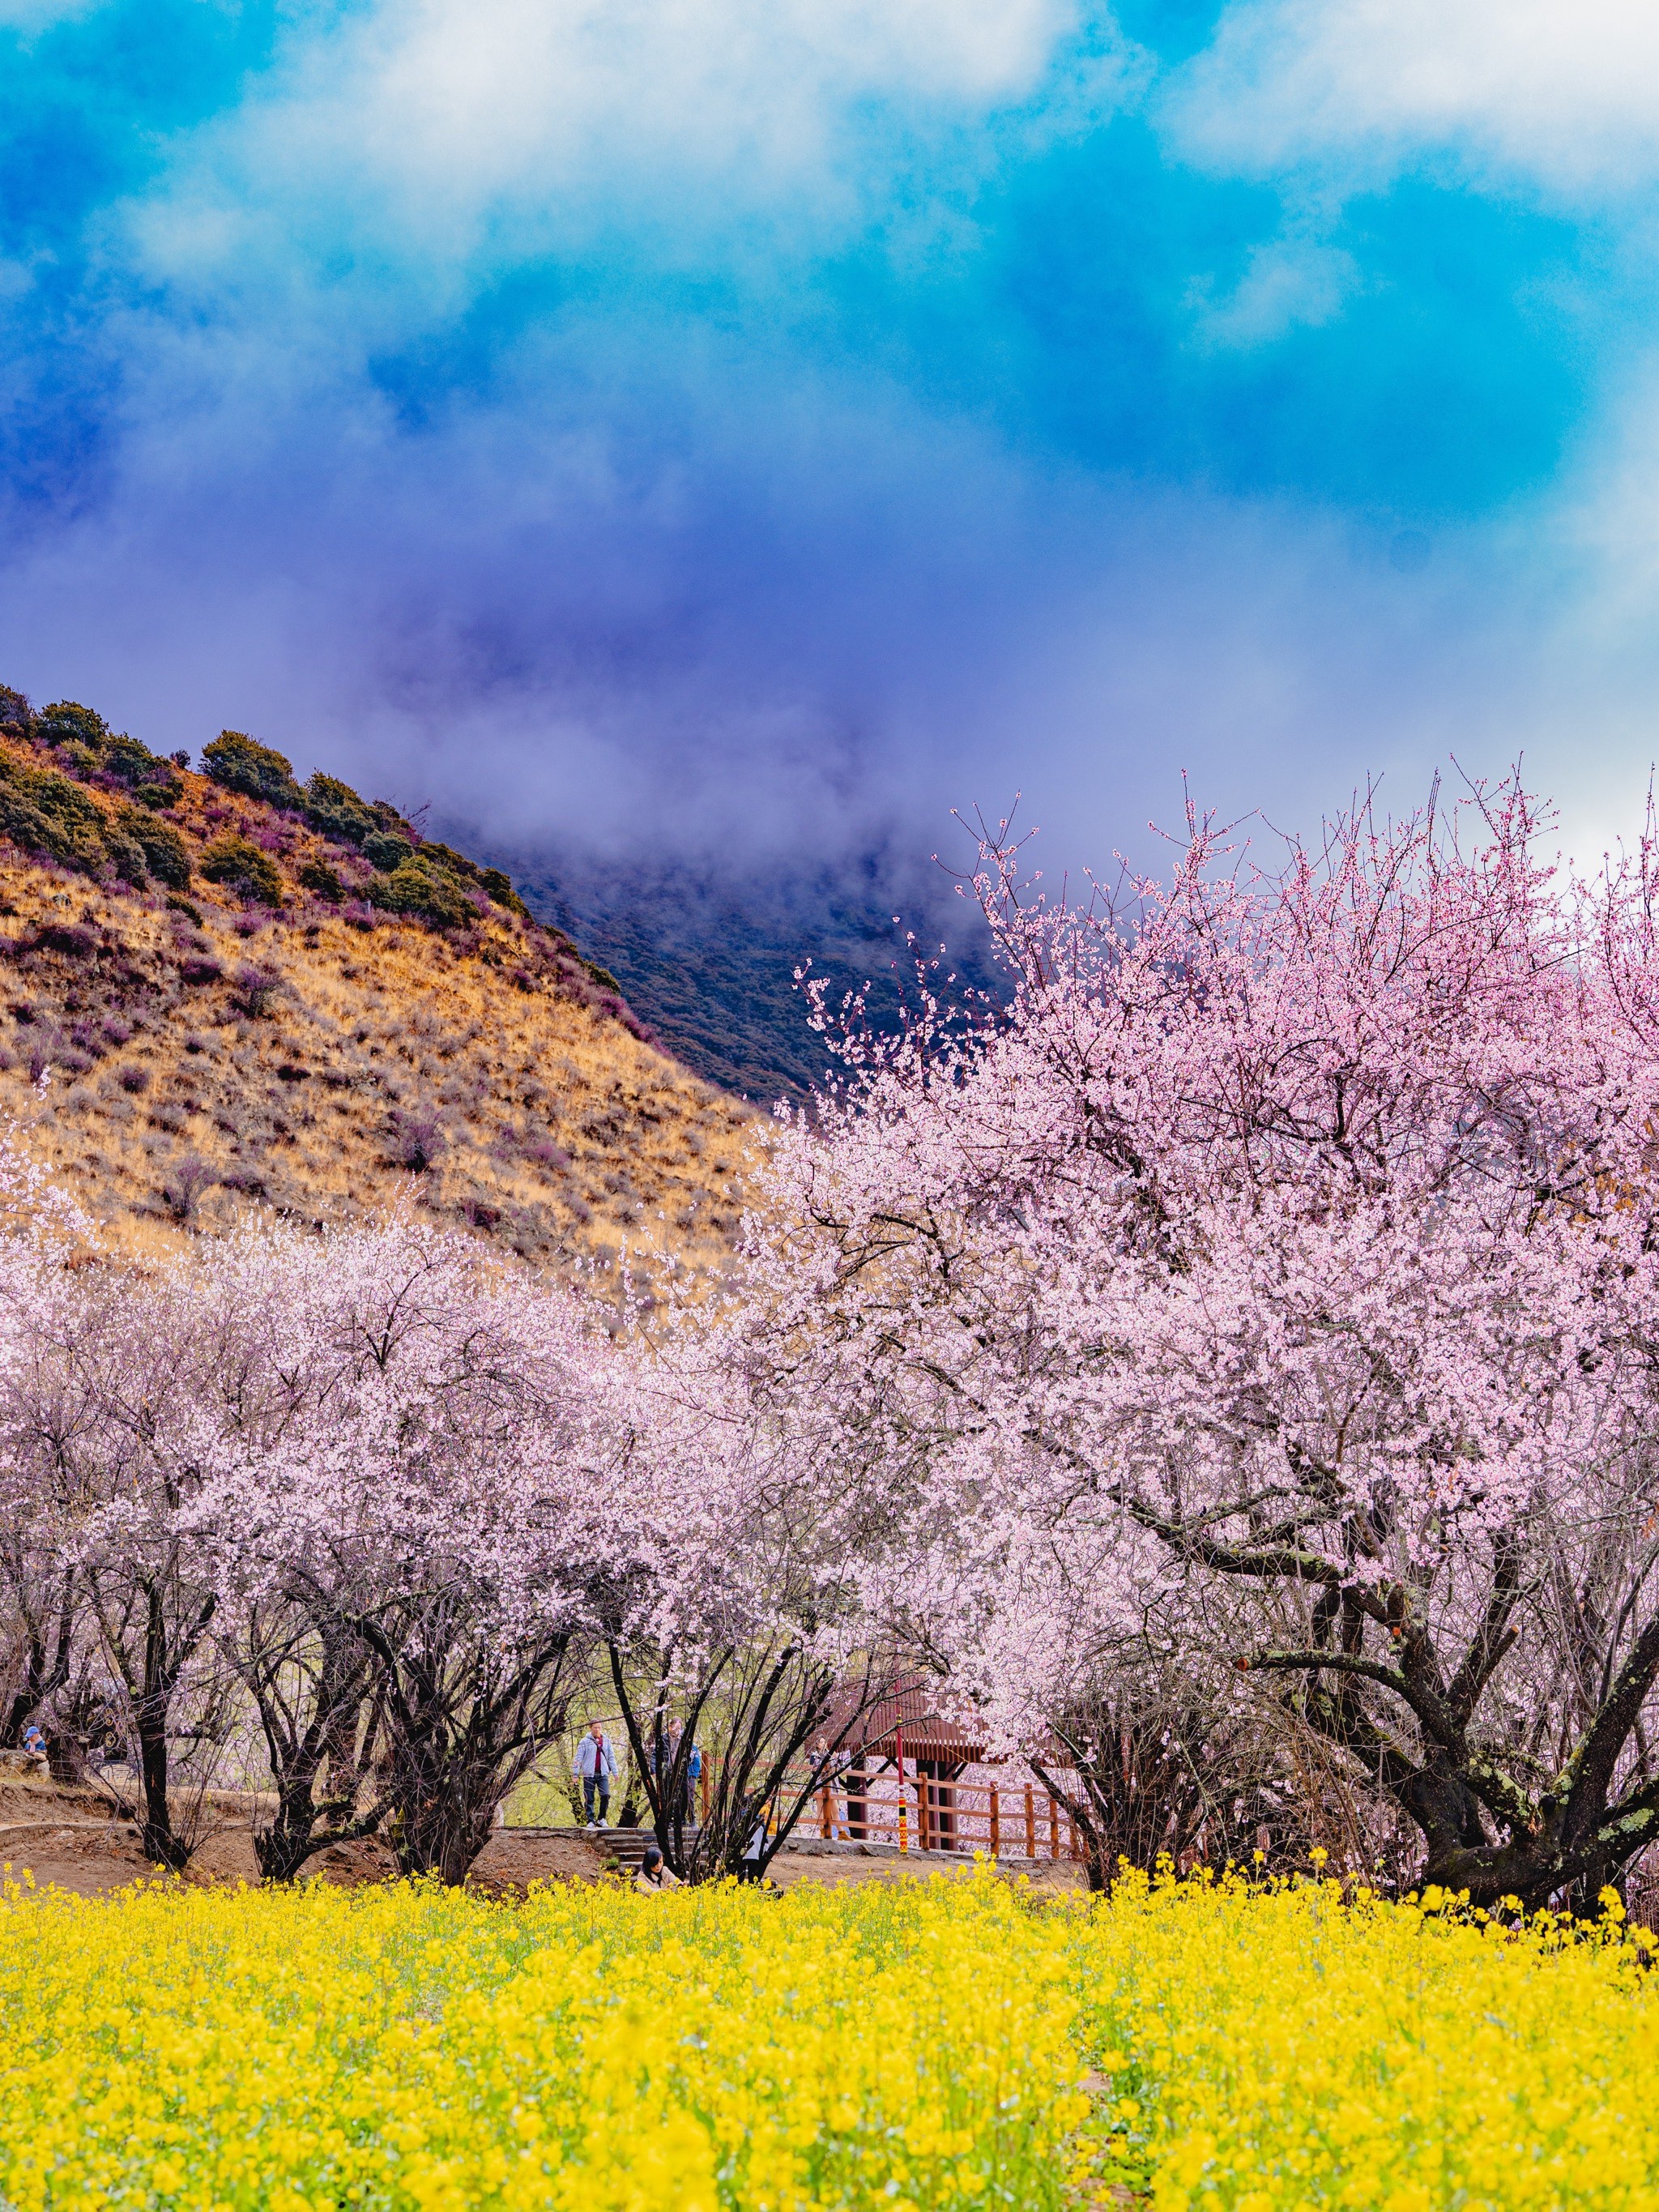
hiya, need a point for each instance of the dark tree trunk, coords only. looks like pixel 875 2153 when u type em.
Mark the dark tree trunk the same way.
pixel 778 1702
pixel 1152 1783
pixel 164 1663
pixel 66 1756
pixel 464 1725
pixel 162 1845
pixel 46 1667
pixel 304 1746
pixel 1486 1832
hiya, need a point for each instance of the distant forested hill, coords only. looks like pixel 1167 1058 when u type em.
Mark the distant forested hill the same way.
pixel 710 964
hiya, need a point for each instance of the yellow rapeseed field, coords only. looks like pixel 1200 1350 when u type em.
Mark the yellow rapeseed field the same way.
pixel 947 2044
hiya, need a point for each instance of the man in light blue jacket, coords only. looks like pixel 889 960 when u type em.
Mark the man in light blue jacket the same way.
pixel 596 1770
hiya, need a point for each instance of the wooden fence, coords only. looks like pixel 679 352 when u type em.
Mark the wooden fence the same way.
pixel 919 1813
pixel 915 1811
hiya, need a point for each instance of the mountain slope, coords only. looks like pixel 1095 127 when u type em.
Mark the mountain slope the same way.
pixel 215 997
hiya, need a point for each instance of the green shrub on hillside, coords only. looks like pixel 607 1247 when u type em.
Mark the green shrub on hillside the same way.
pixel 320 880
pixel 240 763
pixel 42 811
pixel 500 889
pixel 428 893
pixel 446 856
pixel 493 881
pixel 67 722
pixel 84 741
pixel 334 809
pixel 242 866
pixel 78 735
pixel 165 853
pixel 386 852
pixel 153 781
pixel 45 811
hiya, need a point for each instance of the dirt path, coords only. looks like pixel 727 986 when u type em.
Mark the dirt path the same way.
pixel 77 1838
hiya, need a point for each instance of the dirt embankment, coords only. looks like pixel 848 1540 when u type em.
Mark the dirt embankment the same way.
pixel 82 1837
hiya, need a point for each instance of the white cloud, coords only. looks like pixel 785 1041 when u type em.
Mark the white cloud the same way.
pixel 1288 283
pixel 637 581
pixel 818 610
pixel 460 130
pixel 1568 96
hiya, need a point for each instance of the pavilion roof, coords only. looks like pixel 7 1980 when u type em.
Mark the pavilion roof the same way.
pixel 908 1710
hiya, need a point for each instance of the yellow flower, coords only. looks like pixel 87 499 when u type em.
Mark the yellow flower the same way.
pixel 1245 2046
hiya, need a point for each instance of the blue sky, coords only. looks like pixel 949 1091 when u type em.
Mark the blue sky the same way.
pixel 760 425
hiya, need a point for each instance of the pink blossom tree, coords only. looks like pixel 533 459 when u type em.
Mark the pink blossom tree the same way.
pixel 380 1506
pixel 745 1605
pixel 415 1501
pixel 1278 1265
pixel 46 1664
pixel 362 1489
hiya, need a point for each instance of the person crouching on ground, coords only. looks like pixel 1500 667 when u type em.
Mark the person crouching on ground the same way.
pixel 653 1877
pixel 754 1854
pixel 596 1770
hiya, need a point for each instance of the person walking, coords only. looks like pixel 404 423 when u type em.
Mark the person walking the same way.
pixel 693 1775
pixel 686 1805
pixel 596 1770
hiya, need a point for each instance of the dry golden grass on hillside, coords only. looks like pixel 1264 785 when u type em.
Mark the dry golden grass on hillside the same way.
pixel 317 1060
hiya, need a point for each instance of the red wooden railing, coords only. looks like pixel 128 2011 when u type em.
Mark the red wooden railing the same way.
pixel 921 1812
pixel 900 1805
